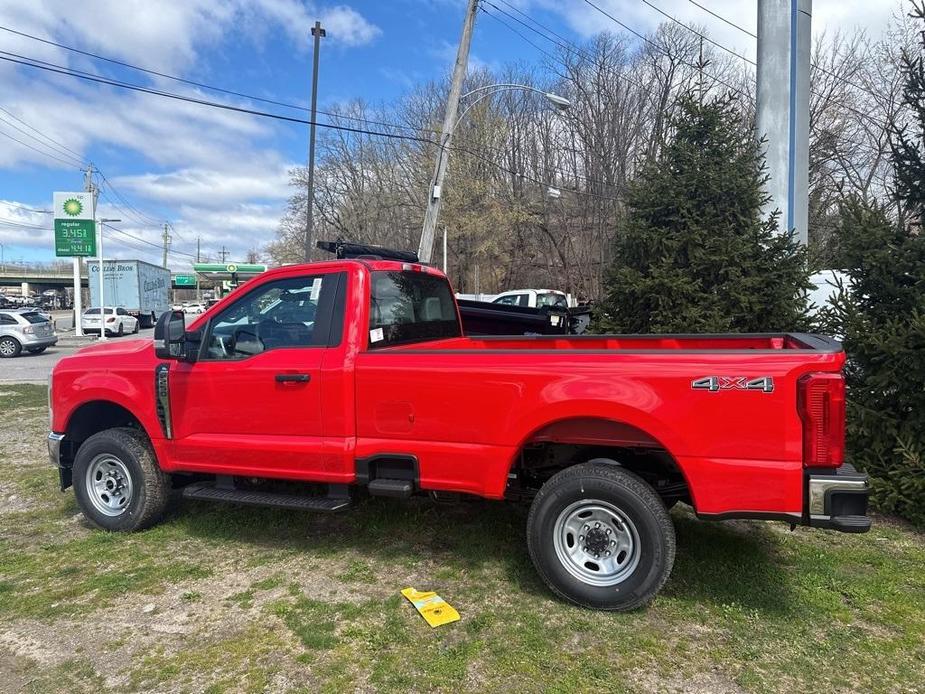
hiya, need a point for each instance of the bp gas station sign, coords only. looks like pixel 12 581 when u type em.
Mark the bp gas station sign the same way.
pixel 75 233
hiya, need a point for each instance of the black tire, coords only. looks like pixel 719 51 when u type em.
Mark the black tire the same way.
pixel 121 329
pixel 137 323
pixel 36 350
pixel 150 486
pixel 643 516
pixel 9 347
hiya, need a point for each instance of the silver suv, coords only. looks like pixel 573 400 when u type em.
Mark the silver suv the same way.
pixel 24 330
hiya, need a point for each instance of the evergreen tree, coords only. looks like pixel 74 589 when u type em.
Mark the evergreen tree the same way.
pixel 881 314
pixel 695 254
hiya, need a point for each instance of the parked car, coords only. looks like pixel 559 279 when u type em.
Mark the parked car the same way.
pixel 118 321
pixel 24 330
pixel 35 309
pixel 532 298
pixel 194 309
pixel 317 384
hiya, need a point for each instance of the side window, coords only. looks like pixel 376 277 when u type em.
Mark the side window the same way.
pixel 292 312
pixel 7 319
pixel 523 299
pixel 507 300
pixel 121 312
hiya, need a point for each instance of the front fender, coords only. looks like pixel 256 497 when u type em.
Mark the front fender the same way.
pixel 73 391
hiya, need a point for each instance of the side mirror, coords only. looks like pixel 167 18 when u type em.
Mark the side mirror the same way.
pixel 168 335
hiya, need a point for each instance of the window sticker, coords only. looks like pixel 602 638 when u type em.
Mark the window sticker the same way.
pixel 316 289
pixel 376 335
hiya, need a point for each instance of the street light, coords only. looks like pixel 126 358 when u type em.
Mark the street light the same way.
pixel 426 246
pixel 99 269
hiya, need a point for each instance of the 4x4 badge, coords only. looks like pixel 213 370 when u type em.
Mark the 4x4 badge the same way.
pixel 716 383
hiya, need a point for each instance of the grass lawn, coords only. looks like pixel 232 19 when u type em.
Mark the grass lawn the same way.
pixel 223 598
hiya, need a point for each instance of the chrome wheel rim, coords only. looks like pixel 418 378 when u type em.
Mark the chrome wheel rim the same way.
pixel 596 542
pixel 109 485
pixel 7 348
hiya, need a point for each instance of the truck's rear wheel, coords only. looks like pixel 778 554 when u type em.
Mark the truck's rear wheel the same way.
pixel 600 537
pixel 117 482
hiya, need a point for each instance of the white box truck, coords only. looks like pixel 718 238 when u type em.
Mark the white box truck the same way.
pixel 140 288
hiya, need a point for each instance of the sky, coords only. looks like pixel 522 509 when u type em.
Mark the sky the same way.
pixel 220 177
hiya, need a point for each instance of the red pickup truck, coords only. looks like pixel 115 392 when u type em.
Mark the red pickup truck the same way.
pixel 314 385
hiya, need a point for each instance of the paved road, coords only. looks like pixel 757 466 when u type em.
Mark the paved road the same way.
pixel 34 368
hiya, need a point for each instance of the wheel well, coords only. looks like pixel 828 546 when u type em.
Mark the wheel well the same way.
pixel 562 444
pixel 91 418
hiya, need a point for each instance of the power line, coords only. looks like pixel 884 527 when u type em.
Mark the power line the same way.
pixel 146 242
pixel 694 31
pixel 745 31
pixel 12 222
pixel 58 69
pixel 27 209
pixel 60 152
pixel 35 149
pixel 61 146
pixel 661 49
pixel 203 85
pixel 562 43
pixel 857 112
pixel 52 67
pixel 140 216
pixel 723 19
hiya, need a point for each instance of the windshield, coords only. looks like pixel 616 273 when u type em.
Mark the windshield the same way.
pixel 410 307
pixel 551 299
pixel 95 311
pixel 33 317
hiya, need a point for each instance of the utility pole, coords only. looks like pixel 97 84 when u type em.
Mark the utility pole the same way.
pixel 318 33
pixel 90 187
pixel 166 239
pixel 224 253
pixel 198 256
pixel 783 108
pixel 426 247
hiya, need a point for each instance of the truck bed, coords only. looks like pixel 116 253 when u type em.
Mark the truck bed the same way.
pixel 706 343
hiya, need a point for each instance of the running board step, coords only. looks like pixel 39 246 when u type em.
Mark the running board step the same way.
pixel 851 524
pixel 389 487
pixel 209 492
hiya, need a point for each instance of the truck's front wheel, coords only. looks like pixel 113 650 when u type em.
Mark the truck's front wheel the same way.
pixel 600 537
pixel 117 482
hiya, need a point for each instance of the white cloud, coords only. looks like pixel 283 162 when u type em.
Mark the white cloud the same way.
pixel 168 35
pixel 208 188
pixel 346 25
pixel 828 16
pixel 218 175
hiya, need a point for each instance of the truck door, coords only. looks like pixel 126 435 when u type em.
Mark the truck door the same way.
pixel 251 404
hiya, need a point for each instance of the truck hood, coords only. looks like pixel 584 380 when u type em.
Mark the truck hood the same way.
pixel 116 347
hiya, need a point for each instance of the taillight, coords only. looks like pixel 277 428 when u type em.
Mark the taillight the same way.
pixel 821 404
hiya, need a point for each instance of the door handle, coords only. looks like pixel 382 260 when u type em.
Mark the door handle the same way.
pixel 293 378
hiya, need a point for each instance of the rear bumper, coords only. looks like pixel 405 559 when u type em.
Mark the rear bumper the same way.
pixel 31 341
pixel 837 499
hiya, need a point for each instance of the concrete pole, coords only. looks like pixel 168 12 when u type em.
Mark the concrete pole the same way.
pixel 317 32
pixel 783 108
pixel 166 239
pixel 426 247
pixel 99 271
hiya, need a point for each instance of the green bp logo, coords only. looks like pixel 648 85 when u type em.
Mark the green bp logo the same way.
pixel 73 207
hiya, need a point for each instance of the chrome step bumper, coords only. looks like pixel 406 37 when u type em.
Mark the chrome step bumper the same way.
pixel 838 500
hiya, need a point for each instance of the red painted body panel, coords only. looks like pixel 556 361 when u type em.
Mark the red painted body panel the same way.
pixel 466 407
